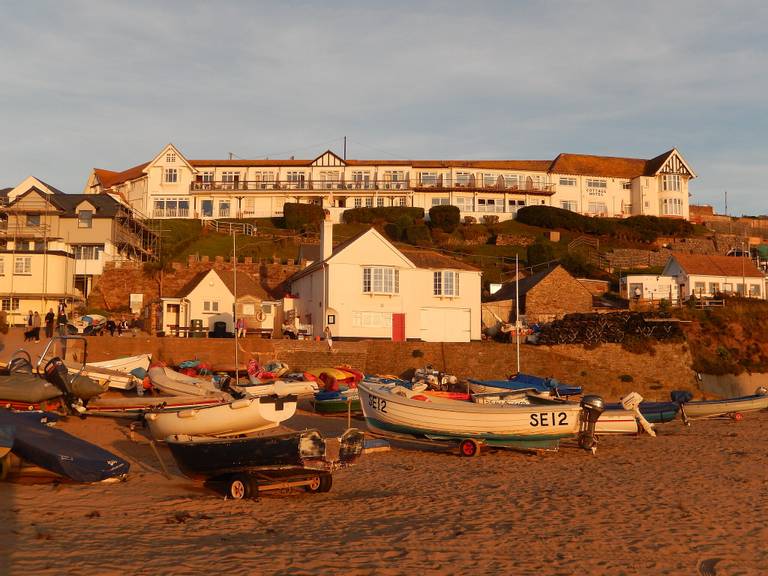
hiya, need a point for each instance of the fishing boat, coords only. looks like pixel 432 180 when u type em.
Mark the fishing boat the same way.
pixel 174 383
pixel 524 381
pixel 340 402
pixel 729 407
pixel 254 463
pixel 59 452
pixel 242 416
pixel 391 410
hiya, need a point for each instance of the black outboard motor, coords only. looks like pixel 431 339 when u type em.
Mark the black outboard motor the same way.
pixel 592 407
pixel 680 397
pixel 57 374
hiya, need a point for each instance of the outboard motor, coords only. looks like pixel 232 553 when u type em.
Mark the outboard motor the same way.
pixel 761 391
pixel 57 374
pixel 681 397
pixel 592 407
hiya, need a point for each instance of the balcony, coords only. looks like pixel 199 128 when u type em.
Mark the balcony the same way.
pixel 529 186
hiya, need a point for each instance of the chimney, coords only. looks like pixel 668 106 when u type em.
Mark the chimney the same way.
pixel 326 237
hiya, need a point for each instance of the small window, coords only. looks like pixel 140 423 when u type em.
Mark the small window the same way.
pixel 23 265
pixel 249 309
pixel 171 175
pixel 33 220
pixel 380 201
pixel 567 181
pixel 358 202
pixel 9 304
pixel 445 283
pixel 85 219
pixel 595 183
pixel 627 185
pixel 170 157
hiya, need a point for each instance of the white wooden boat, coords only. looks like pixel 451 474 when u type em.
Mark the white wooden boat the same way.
pixel 174 383
pixel 125 364
pixel 117 372
pixel 617 421
pixel 729 406
pixel 280 388
pixel 389 409
pixel 141 404
pixel 242 416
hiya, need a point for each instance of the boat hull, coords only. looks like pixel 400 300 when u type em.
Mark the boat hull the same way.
pixel 242 416
pixel 22 387
pixel 139 405
pixel 616 421
pixel 174 383
pixel 654 412
pixel 522 425
pixel 715 408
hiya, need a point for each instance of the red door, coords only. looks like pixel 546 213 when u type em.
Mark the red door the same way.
pixel 398 327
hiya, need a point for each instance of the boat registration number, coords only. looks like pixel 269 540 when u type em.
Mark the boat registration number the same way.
pixel 376 403
pixel 549 419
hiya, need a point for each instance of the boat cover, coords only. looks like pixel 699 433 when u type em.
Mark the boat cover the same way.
pixel 21 387
pixel 59 452
pixel 521 380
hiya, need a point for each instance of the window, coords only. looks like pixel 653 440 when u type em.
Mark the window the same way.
pixel 264 179
pixel 223 208
pixel 85 219
pixel 171 175
pixel 358 202
pixel 206 208
pixel 361 179
pixel 462 179
pixel 567 181
pixel 249 309
pixel 740 289
pixel 210 306
pixel 295 179
pixel 699 288
pixel 440 201
pixel 394 176
pixel 372 319
pixel 490 180
pixel 516 202
pixel 598 208
pixel 428 179
pixel 445 283
pixel 672 207
pixel 402 201
pixel 626 185
pixel 594 183
pixel 10 304
pixel 88 251
pixel 379 280
pixel 329 178
pixel 670 183
pixel 728 287
pixel 754 290
pixel 714 287
pixel 511 180
pixel 380 201
pixel 369 202
pixel 170 157
pixel 22 265
pixel 568 205
pixel 33 220
pixel 230 180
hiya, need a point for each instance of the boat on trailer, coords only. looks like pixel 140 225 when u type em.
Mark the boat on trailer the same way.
pixel 728 407
pixel 262 462
pixel 396 411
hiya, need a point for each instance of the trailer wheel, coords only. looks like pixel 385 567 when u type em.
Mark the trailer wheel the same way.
pixel 738 416
pixel 321 483
pixel 469 448
pixel 239 487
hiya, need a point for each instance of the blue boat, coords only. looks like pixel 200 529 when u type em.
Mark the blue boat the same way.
pixel 55 450
pixel 525 382
pixel 654 412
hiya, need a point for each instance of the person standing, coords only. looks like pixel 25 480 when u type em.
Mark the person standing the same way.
pixel 240 327
pixel 49 318
pixel 36 322
pixel 28 333
pixel 328 338
pixel 61 320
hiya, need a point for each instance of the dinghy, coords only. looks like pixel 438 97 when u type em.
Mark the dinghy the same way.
pixel 392 410
pixel 29 388
pixel 59 452
pixel 174 383
pixel 523 381
pixel 731 407
pixel 343 401
pixel 242 416
pixel 117 373
pixel 279 388
pixel 141 404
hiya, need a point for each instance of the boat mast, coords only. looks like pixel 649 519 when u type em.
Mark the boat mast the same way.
pixel 234 314
pixel 517 313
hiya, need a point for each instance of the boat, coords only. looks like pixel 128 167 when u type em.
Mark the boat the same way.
pixel 278 387
pixel 59 452
pixel 340 402
pixel 728 407
pixel 653 412
pixel 390 410
pixel 126 364
pixel 342 376
pixel 259 462
pixel 174 383
pixel 140 404
pixel 120 373
pixel 242 416
pixel 27 388
pixel 522 381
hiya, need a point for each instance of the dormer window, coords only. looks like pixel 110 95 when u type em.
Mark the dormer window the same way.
pixel 170 158
pixel 85 219
pixel 171 175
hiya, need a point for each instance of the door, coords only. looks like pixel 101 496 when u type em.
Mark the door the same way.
pixel 445 324
pixel 206 208
pixel 398 327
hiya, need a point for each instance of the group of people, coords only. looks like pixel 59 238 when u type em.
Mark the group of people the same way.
pixel 122 325
pixel 35 322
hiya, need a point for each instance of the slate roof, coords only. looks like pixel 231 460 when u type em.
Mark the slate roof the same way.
pixel 706 265
pixel 509 292
pixel 246 286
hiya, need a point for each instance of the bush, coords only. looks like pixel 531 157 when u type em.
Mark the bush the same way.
pixel 490 219
pixel 540 252
pixel 418 235
pixel 468 220
pixel 391 214
pixel 301 216
pixel 446 218
pixel 474 233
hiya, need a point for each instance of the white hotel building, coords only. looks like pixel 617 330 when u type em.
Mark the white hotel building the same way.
pixel 172 186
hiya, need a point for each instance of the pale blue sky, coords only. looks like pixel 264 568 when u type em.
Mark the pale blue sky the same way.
pixel 107 84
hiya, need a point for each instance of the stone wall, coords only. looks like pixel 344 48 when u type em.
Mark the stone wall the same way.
pixel 599 370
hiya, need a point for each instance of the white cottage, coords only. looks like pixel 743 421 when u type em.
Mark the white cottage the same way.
pixel 367 288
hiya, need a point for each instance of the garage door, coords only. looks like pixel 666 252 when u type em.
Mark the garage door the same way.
pixel 445 324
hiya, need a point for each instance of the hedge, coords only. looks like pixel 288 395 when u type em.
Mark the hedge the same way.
pixel 299 216
pixel 391 214
pixel 447 218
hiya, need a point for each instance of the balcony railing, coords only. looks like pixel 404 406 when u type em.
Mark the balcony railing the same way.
pixel 170 213
pixel 521 186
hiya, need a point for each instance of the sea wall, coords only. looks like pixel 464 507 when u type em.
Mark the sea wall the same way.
pixel 607 369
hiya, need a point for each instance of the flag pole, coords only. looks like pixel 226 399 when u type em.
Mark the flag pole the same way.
pixel 234 314
pixel 517 313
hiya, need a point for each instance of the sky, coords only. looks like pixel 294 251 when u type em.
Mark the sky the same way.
pixel 108 84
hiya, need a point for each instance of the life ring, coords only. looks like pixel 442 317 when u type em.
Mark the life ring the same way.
pixel 260 315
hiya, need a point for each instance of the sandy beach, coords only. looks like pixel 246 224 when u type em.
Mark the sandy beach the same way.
pixel 691 501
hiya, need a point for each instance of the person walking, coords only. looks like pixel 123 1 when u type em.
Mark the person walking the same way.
pixel 36 323
pixel 49 318
pixel 328 338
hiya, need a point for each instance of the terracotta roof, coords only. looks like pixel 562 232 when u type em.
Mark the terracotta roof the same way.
pixel 585 165
pixel 108 178
pixel 704 265
pixel 434 260
pixel 246 163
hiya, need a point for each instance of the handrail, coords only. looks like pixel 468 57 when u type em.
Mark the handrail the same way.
pixel 64 339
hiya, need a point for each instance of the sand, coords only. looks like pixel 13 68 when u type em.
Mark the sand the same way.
pixel 682 503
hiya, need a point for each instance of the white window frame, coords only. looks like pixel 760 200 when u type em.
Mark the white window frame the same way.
pixel 571 205
pixel 596 183
pixel 170 175
pixel 381 280
pixel 671 183
pixel 445 283
pixel 210 306
pixel 358 202
pixel 85 222
pixel 9 304
pixel 22 266
pixel 566 181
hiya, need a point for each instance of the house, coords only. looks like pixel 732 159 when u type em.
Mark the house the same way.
pixel 367 288
pixel 57 243
pixel 172 186
pixel 544 296
pixel 210 297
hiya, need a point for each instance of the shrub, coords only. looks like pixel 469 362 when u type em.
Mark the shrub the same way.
pixel 391 214
pixel 470 220
pixel 301 216
pixel 446 218
pixel 539 252
pixel 490 219
pixel 474 233
pixel 418 235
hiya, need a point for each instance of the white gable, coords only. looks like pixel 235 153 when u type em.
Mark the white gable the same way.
pixel 25 185
pixel 170 157
pixel 675 164
pixel 328 158
pixel 371 249
pixel 211 287
pixel 85 205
